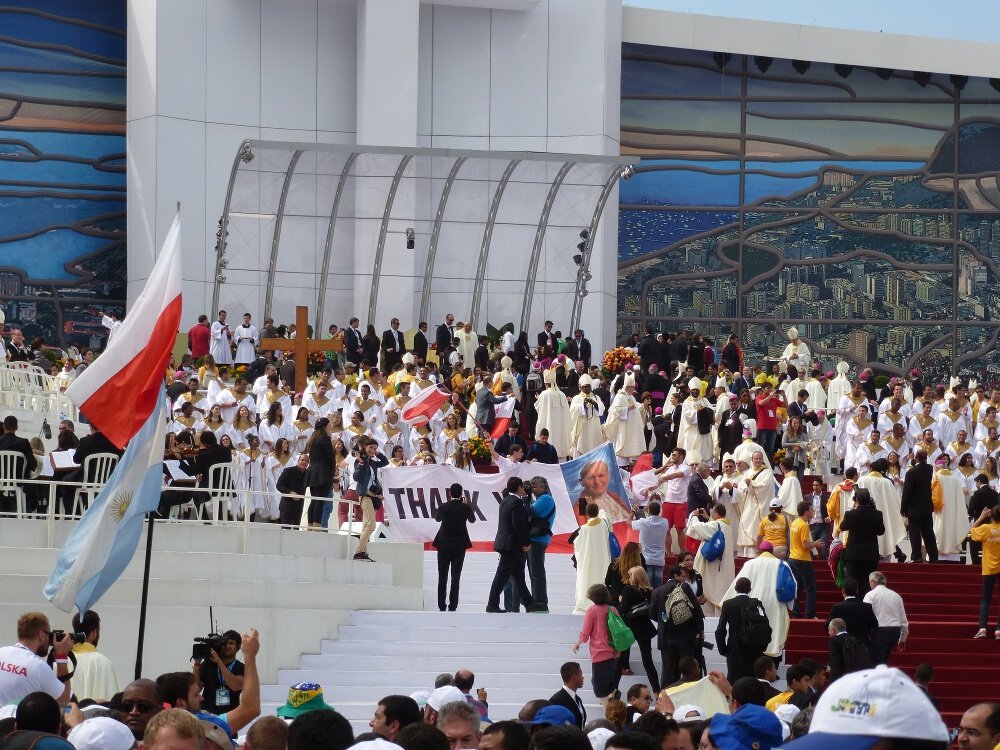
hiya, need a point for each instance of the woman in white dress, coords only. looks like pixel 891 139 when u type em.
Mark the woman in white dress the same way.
pixel 859 428
pixel 300 430
pixel 272 427
pixel 452 436
pixel 279 459
pixel 251 479
pixel 424 454
pixel 244 427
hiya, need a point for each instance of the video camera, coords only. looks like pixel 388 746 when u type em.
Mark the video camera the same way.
pixel 58 635
pixel 203 647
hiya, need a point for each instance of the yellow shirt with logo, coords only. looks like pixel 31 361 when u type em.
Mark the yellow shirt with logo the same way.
pixel 775 532
pixel 989 536
pixel 797 549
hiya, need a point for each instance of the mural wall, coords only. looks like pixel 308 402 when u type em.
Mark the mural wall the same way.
pixel 860 205
pixel 62 167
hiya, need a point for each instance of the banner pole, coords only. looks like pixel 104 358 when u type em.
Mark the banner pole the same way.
pixel 151 521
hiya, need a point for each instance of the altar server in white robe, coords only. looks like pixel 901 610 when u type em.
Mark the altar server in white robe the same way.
pixel 585 411
pixel 699 446
pixel 763 574
pixel 951 519
pixel 790 493
pixel 553 415
pixel 593 555
pixel 817 394
pixel 717 575
pixel 885 497
pixel 754 496
pixel 220 341
pixel 246 339
pixel 624 424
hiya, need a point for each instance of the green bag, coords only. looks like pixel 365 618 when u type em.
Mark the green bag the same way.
pixel 841 572
pixel 621 636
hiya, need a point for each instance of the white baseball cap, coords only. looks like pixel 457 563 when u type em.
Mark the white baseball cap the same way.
pixel 101 733
pixel 444 695
pixel 862 708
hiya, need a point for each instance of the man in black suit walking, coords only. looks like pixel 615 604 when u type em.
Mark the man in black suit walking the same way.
pixel 858 614
pixel 393 346
pixel 918 509
pixel 547 338
pixel 568 697
pixel 451 542
pixel 9 441
pixel 579 348
pixel 444 335
pixel 420 342
pixel 866 525
pixel 352 342
pixel 512 542
pixel 739 656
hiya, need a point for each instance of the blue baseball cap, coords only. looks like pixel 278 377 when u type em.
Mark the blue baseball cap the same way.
pixel 751 726
pixel 552 715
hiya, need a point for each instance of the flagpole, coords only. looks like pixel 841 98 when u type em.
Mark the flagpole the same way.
pixel 150 520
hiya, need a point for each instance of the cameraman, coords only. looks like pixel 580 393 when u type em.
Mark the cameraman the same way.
pixel 24 667
pixel 367 463
pixel 221 676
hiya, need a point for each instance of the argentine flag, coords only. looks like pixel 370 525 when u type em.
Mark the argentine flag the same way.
pixel 103 542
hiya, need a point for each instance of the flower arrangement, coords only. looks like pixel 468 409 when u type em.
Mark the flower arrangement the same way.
pixel 479 448
pixel 779 456
pixel 316 361
pixel 238 371
pixel 617 359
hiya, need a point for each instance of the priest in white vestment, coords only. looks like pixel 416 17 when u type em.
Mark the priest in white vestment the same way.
pixel 753 499
pixel 585 412
pixel 623 427
pixel 796 353
pixel 743 453
pixel 593 555
pixel 763 574
pixel 697 445
pixel 886 499
pixel 246 339
pixel 553 415
pixel 790 492
pixel 951 519
pixel 717 575
pixel 220 341
pixel 468 342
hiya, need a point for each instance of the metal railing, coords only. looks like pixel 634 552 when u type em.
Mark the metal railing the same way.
pixel 24 386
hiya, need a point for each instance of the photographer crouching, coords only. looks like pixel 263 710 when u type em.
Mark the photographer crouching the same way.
pixel 23 666
pixel 220 672
pixel 368 461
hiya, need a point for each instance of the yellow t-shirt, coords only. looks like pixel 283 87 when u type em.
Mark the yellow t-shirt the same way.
pixel 797 549
pixel 775 532
pixel 989 536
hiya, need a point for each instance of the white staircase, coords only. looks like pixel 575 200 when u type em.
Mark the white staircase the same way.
pixel 515 657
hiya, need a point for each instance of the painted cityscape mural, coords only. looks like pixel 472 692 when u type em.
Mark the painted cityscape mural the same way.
pixel 860 205
pixel 62 167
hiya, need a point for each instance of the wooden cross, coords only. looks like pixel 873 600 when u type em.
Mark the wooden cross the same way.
pixel 301 346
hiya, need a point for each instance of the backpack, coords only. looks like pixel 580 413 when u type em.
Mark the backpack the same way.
pixel 712 549
pixel 856 655
pixel 755 629
pixel 785 588
pixel 619 634
pixel 677 609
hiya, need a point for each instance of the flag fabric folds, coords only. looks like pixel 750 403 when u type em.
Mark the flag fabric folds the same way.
pixel 121 388
pixel 504 412
pixel 421 408
pixel 102 544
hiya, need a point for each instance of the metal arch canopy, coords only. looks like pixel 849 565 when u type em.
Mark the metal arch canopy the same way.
pixel 335 168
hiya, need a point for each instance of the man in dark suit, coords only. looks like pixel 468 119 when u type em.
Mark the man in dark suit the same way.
pixel 292 486
pixel 548 338
pixel 9 441
pixel 739 657
pixel 648 350
pixel 858 614
pixel 211 454
pixel 352 342
pixel 579 349
pixel 676 641
pixel 444 334
pixel 451 542
pixel 482 354
pixel 568 697
pixel 420 342
pixel 512 542
pixel 90 445
pixel 506 442
pixel 393 346
pixel 485 401
pixel 916 506
pixel 866 525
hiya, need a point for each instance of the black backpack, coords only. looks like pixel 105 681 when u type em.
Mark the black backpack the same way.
pixel 755 629
pixel 856 655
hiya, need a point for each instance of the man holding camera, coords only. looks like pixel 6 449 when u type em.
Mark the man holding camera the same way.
pixel 368 462
pixel 221 675
pixel 23 666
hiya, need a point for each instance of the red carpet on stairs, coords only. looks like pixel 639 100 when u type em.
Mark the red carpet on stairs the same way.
pixel 942 605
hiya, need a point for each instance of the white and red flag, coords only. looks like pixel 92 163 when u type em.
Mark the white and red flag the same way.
pixel 504 412
pixel 120 390
pixel 419 409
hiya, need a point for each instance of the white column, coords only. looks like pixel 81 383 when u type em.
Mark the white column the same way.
pixel 388 35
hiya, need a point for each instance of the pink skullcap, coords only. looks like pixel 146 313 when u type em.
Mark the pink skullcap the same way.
pixel 915 372
pixel 658 410
pixel 766 546
pixel 831 374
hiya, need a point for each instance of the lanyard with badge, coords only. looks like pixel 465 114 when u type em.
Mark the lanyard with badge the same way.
pixel 223 697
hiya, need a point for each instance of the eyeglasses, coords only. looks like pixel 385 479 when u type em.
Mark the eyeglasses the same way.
pixel 142 707
pixel 966 730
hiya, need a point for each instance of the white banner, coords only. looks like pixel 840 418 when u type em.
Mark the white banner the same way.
pixel 412 493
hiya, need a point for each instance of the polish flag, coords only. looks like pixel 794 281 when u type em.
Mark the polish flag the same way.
pixel 423 406
pixel 503 414
pixel 120 390
pixel 642 477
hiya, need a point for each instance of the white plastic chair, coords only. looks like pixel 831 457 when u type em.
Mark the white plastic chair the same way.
pixel 222 490
pixel 12 466
pixel 98 468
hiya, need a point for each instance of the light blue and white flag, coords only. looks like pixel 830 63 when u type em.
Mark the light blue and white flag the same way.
pixel 104 541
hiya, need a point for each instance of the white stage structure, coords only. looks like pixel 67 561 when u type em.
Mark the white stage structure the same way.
pixel 486 234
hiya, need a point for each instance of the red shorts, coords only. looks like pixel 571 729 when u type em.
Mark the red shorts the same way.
pixel 675 514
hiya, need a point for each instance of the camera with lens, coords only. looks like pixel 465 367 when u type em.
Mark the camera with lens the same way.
pixel 58 635
pixel 203 647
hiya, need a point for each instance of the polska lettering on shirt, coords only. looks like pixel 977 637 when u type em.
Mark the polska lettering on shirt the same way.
pixel 15 669
pixel 424 507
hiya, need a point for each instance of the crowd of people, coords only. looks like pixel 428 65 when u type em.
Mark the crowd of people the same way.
pixel 47 703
